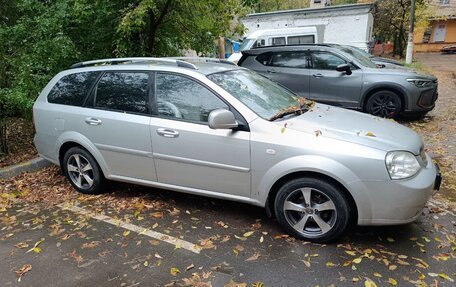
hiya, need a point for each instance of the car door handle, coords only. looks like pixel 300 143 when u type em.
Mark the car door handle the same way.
pixel 93 121
pixel 271 71
pixel 318 75
pixel 167 133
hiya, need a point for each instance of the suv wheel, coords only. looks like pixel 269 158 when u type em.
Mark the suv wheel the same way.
pixel 312 209
pixel 384 104
pixel 82 171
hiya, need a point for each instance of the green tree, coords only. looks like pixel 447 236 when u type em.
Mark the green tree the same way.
pixel 259 6
pixel 40 38
pixel 391 21
pixel 168 27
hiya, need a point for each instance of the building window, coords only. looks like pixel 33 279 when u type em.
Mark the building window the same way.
pixel 444 2
pixel 427 35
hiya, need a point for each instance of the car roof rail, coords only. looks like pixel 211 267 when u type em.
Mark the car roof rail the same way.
pixel 204 60
pixel 294 45
pixel 116 61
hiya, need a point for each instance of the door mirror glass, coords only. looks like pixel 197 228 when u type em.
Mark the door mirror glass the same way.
pixel 222 119
pixel 344 68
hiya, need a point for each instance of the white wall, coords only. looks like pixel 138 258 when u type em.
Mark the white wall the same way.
pixel 342 27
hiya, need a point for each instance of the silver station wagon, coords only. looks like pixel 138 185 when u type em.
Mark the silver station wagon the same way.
pixel 207 127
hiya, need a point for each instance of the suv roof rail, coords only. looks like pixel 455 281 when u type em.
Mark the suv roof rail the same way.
pixel 204 60
pixel 294 45
pixel 116 61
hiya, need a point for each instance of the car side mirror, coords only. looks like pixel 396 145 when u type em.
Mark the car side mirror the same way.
pixel 222 119
pixel 344 68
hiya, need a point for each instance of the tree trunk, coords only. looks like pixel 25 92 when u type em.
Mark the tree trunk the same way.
pixel 154 24
pixel 3 137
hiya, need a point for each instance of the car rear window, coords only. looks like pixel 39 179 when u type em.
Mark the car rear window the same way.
pixel 72 89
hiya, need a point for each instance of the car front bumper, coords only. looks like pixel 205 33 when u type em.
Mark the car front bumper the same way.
pixel 422 100
pixel 399 201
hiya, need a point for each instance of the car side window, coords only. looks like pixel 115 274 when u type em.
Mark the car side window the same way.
pixel 123 91
pixel 326 61
pixel 180 97
pixel 289 60
pixel 72 89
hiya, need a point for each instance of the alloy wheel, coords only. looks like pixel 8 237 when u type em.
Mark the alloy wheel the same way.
pixel 310 212
pixel 80 171
pixel 384 105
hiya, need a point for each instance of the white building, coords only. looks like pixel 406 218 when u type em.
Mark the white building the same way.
pixel 343 24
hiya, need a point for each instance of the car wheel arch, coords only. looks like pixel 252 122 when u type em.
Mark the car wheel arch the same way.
pixel 310 174
pixel 401 93
pixel 67 141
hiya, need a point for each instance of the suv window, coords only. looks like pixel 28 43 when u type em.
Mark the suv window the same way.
pixel 326 61
pixel 72 89
pixel 123 91
pixel 289 59
pixel 182 98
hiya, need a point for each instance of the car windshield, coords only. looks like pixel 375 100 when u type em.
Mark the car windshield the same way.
pixel 264 97
pixel 362 57
pixel 247 44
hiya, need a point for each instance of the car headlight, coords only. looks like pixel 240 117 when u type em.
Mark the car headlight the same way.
pixel 401 164
pixel 420 83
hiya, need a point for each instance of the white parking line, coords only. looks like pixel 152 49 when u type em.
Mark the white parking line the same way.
pixel 179 243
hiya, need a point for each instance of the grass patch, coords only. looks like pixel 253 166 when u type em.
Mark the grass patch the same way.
pixel 419 67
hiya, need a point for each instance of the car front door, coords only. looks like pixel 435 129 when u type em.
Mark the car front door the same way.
pixel 289 69
pixel 330 86
pixel 187 152
pixel 117 123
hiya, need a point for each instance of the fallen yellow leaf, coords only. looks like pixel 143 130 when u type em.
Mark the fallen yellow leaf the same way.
pixel 392 281
pixel 357 260
pixel 444 276
pixel 174 271
pixel 369 283
pixel 247 234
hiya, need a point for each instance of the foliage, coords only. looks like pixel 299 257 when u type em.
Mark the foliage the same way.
pixel 392 19
pixel 40 38
pixel 167 27
pixel 274 5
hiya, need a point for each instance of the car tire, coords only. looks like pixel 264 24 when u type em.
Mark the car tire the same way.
pixel 312 209
pixel 82 171
pixel 385 104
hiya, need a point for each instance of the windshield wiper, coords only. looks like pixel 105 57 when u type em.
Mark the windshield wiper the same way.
pixel 303 106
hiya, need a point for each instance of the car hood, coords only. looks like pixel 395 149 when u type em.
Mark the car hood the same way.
pixel 356 127
pixel 386 60
pixel 400 71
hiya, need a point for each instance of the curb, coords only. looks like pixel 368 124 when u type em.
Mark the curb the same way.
pixel 28 166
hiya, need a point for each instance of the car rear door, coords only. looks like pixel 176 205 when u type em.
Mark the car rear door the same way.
pixel 187 152
pixel 288 68
pixel 117 122
pixel 330 86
